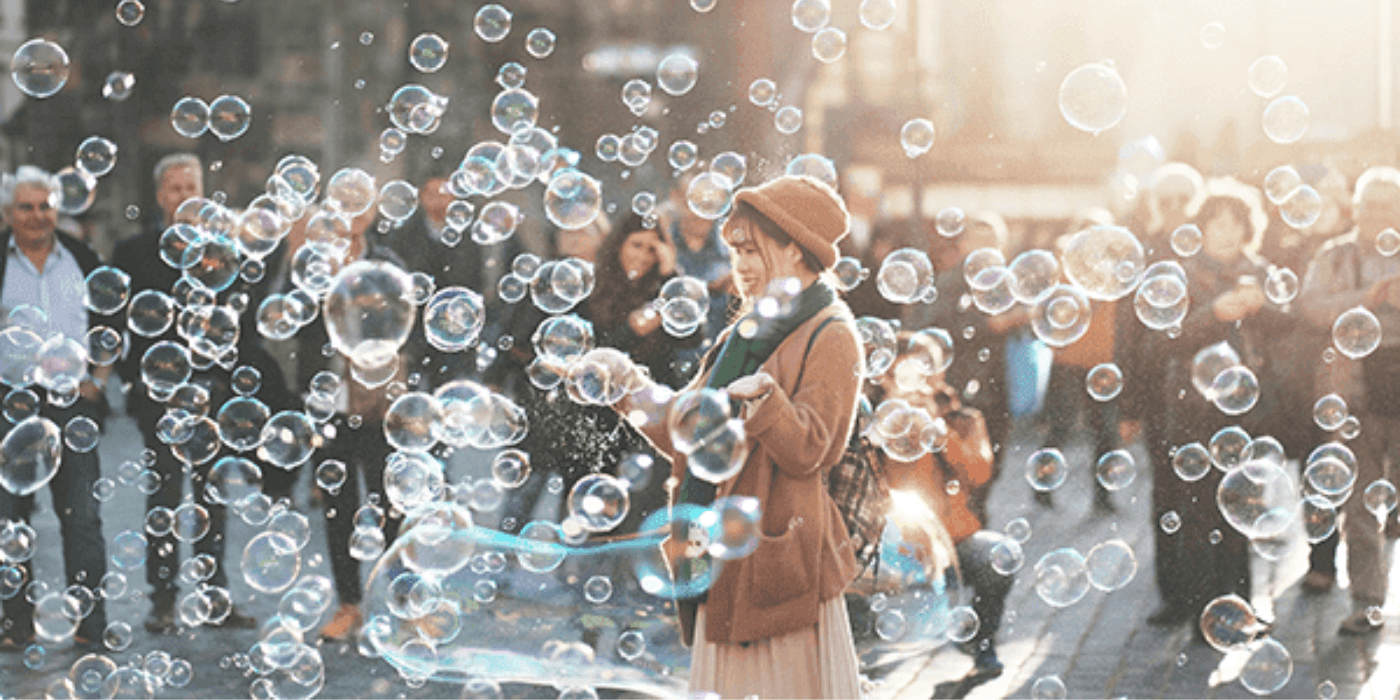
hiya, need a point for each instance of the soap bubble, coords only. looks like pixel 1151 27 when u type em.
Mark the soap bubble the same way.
pixel 1212 35
pixel 1281 285
pixel 1235 390
pixel 636 95
pixel 1268 668
pixel 1191 462
pixel 573 199
pixel 229 117
pixel 107 290
pixel 545 552
pixel 1228 623
pixel 1116 470
pixel 118 86
pixel 1062 316
pixel 788 120
pixel 412 422
pixel 130 12
pixel 453 319
pixel 709 195
pixel 1208 366
pixel 734 526
pixel 877 14
pixel 677 74
pixel 492 23
pixel 1186 240
pixel 684 301
pixel 1332 477
pixel 510 468
pixel 39 68
pixel 732 166
pixel 97 155
pixel 1093 98
pixel 682 155
pixel 1258 498
pixel 1033 275
pixel 599 501
pixel 1061 577
pixel 288 439
pixel 829 45
pixel 30 455
pixel 416 109
pixel 350 191
pixel 1302 208
pixel 1356 333
pixel 428 52
pixel 905 276
pixel 539 42
pixel 1286 119
pixel 165 366
pixel 1046 469
pixel 190 117
pixel 1267 76
pixel 916 137
pixel 74 192
pixel 1104 382
pixel 369 312
pixel 810 15
pixel 271 562
pixel 1170 522
pixel 1106 262
pixel 513 110
pixel 1319 518
pixel 397 200
pixel 1228 446
pixel 232 479
pixel 1379 498
pixel 1111 565
pixel 880 342
pixel 1281 182
pixel 81 434
pixel 762 91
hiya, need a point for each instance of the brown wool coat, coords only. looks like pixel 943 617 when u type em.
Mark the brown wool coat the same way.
pixel 805 557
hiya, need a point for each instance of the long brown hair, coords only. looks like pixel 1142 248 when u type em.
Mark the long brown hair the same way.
pixel 614 295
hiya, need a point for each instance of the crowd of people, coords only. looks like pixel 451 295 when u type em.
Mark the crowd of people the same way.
pixel 774 623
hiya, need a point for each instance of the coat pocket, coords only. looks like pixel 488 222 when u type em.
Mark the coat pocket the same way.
pixel 778 569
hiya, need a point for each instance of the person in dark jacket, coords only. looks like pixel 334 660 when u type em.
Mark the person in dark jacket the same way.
pixel 46 270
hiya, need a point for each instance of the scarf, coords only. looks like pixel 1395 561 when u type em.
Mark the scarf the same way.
pixel 740 357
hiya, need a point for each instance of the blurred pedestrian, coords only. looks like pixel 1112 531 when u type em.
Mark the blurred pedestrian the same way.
pixel 1346 273
pixel 43 275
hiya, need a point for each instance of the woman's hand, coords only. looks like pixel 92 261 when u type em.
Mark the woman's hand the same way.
pixel 755 386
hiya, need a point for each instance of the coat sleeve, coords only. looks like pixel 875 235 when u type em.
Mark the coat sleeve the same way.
pixel 801 430
pixel 1328 288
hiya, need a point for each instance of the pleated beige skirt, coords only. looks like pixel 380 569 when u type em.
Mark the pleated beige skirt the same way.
pixel 819 662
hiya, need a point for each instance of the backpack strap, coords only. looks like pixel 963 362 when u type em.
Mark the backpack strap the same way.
pixel 811 340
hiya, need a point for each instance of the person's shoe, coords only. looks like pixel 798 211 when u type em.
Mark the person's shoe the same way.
pixel 13 644
pixel 1359 623
pixel 1318 582
pixel 236 621
pixel 1044 499
pixel 1169 615
pixel 986 664
pixel 162 618
pixel 344 625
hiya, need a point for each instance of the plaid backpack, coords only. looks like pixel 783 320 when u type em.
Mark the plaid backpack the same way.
pixel 857 484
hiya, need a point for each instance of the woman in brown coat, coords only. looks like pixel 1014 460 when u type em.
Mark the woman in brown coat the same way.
pixel 774 623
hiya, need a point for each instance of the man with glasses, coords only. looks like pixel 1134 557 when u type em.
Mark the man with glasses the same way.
pixel 1350 271
pixel 43 275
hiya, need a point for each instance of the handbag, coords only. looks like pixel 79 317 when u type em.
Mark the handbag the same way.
pixel 857 485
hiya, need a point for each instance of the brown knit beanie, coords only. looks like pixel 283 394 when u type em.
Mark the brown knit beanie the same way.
pixel 804 208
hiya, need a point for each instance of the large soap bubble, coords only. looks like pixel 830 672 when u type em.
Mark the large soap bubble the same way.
pixel 30 455
pixel 573 199
pixel 1107 262
pixel 1258 498
pixel 905 276
pixel 1356 333
pixel 39 68
pixel 1093 98
pixel 1062 577
pixel 453 319
pixel 369 312
pixel 1062 316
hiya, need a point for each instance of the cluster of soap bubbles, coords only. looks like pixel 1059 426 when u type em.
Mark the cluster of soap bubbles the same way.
pixel 703 429
pixel 683 303
pixel 1221 378
pixel 904 431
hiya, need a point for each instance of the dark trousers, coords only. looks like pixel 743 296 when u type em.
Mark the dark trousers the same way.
pixel 989 588
pixel 163 552
pixel 1066 397
pixel 80 524
pixel 364 451
pixel 1191 569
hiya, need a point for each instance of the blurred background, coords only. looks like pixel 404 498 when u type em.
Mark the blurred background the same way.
pixel 986 72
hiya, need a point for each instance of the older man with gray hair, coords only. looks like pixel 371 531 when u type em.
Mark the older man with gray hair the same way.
pixel 42 284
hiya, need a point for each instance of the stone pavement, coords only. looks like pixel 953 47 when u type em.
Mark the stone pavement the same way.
pixel 1100 646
